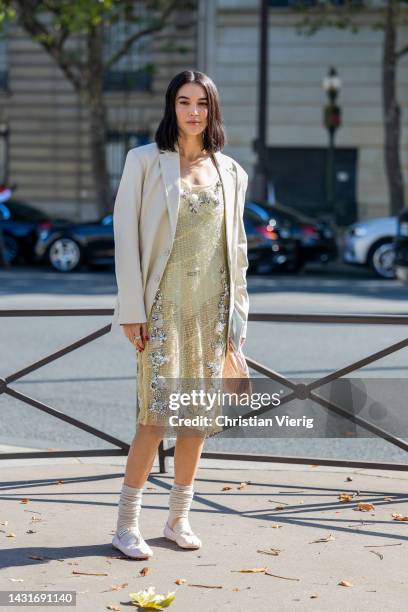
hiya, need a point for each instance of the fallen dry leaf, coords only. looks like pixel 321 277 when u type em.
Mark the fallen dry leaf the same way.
pixel 236 589
pixel 314 595
pixel 24 501
pixel 345 583
pixel 180 581
pixel 345 497
pixel 280 507
pixel 398 517
pixel 388 498
pixel 144 571
pixel 276 526
pixel 113 607
pixel 11 535
pixel 31 531
pixel 243 484
pixel 365 506
pixel 60 482
pixel 329 538
pixel 226 488
pixel 4 523
pixel 274 551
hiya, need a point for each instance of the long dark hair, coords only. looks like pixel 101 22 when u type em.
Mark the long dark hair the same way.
pixel 167 132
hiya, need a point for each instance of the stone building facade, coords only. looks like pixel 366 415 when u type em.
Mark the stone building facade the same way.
pixel 48 129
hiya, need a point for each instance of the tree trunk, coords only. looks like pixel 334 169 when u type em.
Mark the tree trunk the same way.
pixel 98 121
pixel 392 113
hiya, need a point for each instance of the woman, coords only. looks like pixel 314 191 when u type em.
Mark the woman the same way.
pixel 180 262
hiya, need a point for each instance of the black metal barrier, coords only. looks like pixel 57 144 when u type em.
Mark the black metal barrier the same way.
pixel 298 390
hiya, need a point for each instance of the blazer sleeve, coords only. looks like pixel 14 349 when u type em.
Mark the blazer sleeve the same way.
pixel 126 215
pixel 241 293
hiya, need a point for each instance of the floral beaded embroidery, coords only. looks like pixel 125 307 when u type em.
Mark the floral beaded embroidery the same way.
pixel 158 356
pixel 204 198
pixel 218 342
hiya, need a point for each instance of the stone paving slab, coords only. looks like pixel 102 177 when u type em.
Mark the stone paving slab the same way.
pixel 78 517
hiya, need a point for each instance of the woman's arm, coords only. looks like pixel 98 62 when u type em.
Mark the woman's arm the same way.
pixel 126 235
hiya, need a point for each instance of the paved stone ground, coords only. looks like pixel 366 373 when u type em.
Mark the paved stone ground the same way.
pixel 78 515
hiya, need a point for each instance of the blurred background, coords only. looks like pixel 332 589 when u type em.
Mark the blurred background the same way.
pixel 314 98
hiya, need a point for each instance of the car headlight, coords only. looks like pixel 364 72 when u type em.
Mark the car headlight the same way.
pixel 403 230
pixel 43 234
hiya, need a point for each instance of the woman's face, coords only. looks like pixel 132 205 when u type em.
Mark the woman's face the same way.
pixel 191 109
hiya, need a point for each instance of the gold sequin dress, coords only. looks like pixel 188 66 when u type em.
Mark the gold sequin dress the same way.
pixel 188 321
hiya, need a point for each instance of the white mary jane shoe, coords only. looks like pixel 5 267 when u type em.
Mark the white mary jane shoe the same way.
pixel 132 544
pixel 182 535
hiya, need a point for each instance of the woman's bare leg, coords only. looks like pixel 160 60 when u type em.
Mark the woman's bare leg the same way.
pixel 187 455
pixel 141 455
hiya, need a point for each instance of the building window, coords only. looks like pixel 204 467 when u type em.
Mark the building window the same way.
pixel 117 145
pixel 134 70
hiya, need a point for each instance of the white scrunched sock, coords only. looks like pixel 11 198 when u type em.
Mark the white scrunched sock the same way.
pixel 180 500
pixel 130 504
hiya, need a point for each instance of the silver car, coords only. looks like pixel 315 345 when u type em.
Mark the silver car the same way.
pixel 370 242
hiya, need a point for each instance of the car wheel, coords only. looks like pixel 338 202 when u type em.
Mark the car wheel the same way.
pixel 11 249
pixel 382 260
pixel 64 255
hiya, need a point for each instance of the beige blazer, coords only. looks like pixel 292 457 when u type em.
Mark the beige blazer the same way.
pixel 144 223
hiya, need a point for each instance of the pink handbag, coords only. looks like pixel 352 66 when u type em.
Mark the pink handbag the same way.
pixel 235 373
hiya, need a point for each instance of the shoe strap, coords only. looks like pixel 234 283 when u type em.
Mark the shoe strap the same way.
pixel 121 532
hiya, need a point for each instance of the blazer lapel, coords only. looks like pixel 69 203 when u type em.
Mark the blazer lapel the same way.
pixel 170 169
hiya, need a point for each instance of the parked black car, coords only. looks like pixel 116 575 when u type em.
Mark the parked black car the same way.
pixel 401 247
pixel 317 238
pixel 21 224
pixel 92 243
pixel 271 246
pixel 68 248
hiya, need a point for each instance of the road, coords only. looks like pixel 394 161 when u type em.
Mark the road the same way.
pixel 97 383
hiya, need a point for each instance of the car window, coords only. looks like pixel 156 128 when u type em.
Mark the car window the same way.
pixel 24 212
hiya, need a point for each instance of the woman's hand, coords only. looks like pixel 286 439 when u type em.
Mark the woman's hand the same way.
pixel 136 329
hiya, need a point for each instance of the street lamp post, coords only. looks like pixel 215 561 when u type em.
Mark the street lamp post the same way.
pixel 260 180
pixel 4 137
pixel 332 121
